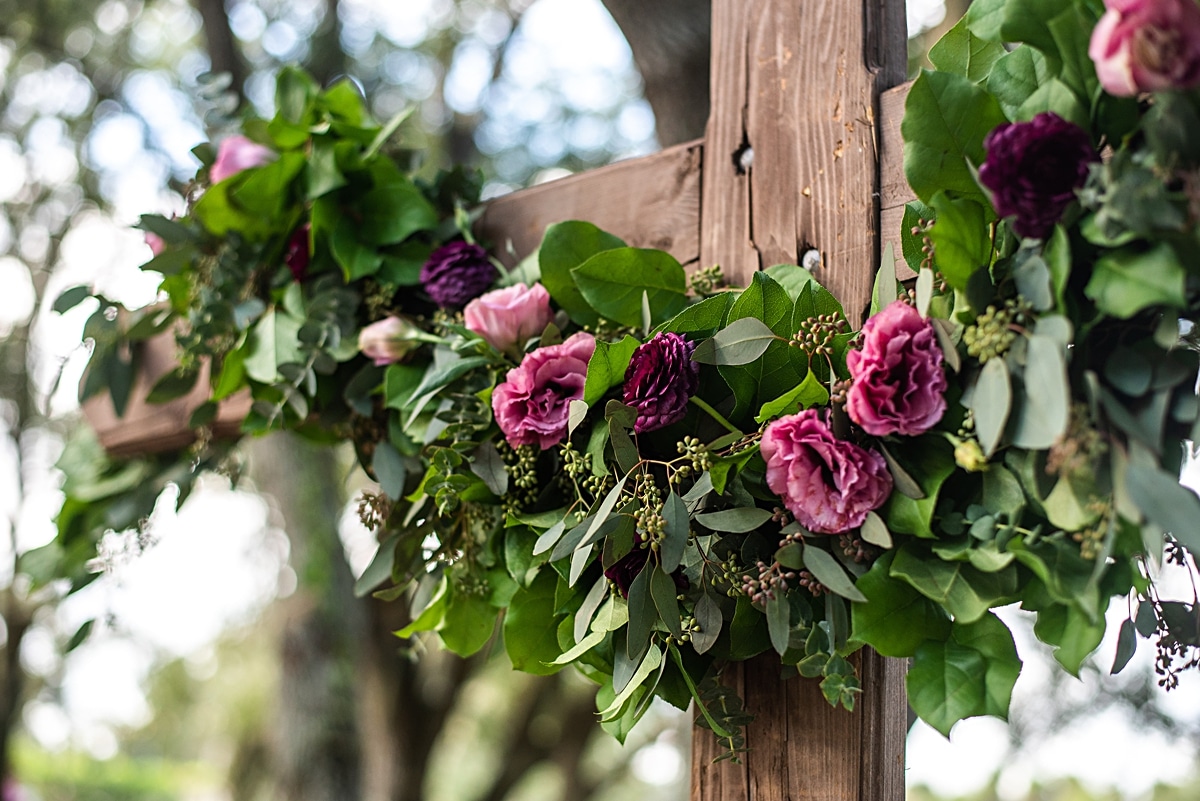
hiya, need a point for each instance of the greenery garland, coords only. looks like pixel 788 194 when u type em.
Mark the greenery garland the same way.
pixel 646 476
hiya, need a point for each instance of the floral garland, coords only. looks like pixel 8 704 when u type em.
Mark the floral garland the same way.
pixel 646 476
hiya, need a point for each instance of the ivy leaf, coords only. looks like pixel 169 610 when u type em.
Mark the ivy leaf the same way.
pixel 945 121
pixel 529 634
pixel 394 211
pixel 932 460
pixel 1126 281
pixel 606 368
pixel 895 618
pixel 962 52
pixel 468 623
pixel 970 674
pixel 961 237
pixel 808 393
pixel 567 245
pixel 613 282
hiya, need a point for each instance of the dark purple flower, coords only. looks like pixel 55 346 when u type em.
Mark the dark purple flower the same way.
pixel 296 256
pixel 660 379
pixel 1033 169
pixel 626 569
pixel 457 273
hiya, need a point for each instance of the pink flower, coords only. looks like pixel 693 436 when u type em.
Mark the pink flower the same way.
pixel 508 317
pixel 1147 46
pixel 156 243
pixel 827 483
pixel 899 384
pixel 389 340
pixel 237 153
pixel 531 405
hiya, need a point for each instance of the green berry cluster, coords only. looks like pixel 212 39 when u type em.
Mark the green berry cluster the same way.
pixel 771 579
pixel 649 516
pixel 377 297
pixel 991 335
pixel 729 573
pixel 696 452
pixel 521 464
pixel 816 334
pixel 921 229
pixel 705 281
pixel 689 625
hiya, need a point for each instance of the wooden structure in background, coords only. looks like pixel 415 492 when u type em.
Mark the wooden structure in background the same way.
pixel 802 153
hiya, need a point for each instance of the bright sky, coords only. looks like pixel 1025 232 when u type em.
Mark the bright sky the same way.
pixel 165 602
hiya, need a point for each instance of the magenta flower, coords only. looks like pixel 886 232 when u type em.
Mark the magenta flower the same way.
pixel 660 379
pixel 296 256
pixel 237 153
pixel 392 339
pixel 1147 46
pixel 532 404
pixel 508 317
pixel 827 483
pixel 155 242
pixel 898 382
pixel 1033 169
pixel 456 273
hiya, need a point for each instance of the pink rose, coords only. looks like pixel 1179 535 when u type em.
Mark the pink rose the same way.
pixel 508 317
pixel 237 153
pixel 391 339
pixel 531 405
pixel 827 483
pixel 1147 46
pixel 899 384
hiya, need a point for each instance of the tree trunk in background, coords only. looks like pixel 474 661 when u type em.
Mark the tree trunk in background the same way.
pixel 223 53
pixel 317 746
pixel 670 44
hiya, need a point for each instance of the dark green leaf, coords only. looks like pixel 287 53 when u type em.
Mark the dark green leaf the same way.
pixel 709 619
pixel 1126 646
pixel 1124 282
pixel 606 368
pixel 962 52
pixel 566 246
pixel 896 618
pixel 529 634
pixel 961 238
pixel 380 568
pixel 642 613
pixel 1166 503
pixel 663 590
pixel 676 532
pixel 389 469
pixel 735 521
pixel 175 384
pixel 779 621
pixel 70 298
pixel 827 571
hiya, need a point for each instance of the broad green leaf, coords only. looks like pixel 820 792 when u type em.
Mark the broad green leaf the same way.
pixel 962 52
pixel 709 619
pixel 393 212
pixel 649 664
pixel 896 618
pixel 966 592
pixel 606 368
pixel 952 680
pixel 945 121
pixel 1071 633
pixel 468 623
pixel 431 616
pixel 809 393
pixel 274 340
pixel 566 246
pixel 1124 282
pixel 702 319
pixel 961 238
pixel 642 613
pixel 612 282
pixel 582 647
pixel 676 532
pixel 1058 97
pixel 931 460
pixel 529 629
pixel 1016 76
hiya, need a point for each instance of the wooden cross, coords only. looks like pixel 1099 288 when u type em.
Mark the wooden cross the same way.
pixel 801 158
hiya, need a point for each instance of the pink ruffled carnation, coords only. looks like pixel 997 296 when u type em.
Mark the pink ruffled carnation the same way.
pixel 1147 46
pixel 898 384
pixel 237 153
pixel 827 483
pixel 508 317
pixel 532 404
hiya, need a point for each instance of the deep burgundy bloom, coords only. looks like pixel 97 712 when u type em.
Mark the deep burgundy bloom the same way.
pixel 296 256
pixel 660 379
pixel 626 569
pixel 1033 169
pixel 457 273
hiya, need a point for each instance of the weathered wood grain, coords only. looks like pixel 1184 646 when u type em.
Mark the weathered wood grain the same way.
pixel 799 85
pixel 651 202
pixel 893 186
pixel 794 84
pixel 156 427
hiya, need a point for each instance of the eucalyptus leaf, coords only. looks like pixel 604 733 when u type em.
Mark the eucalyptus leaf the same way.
pixel 827 571
pixel 1044 409
pixel 779 621
pixel 991 403
pixel 741 342
pixel 734 521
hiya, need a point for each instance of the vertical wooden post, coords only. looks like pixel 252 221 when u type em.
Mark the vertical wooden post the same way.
pixel 792 165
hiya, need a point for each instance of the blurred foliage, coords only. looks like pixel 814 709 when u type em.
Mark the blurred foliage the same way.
pixel 1069 789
